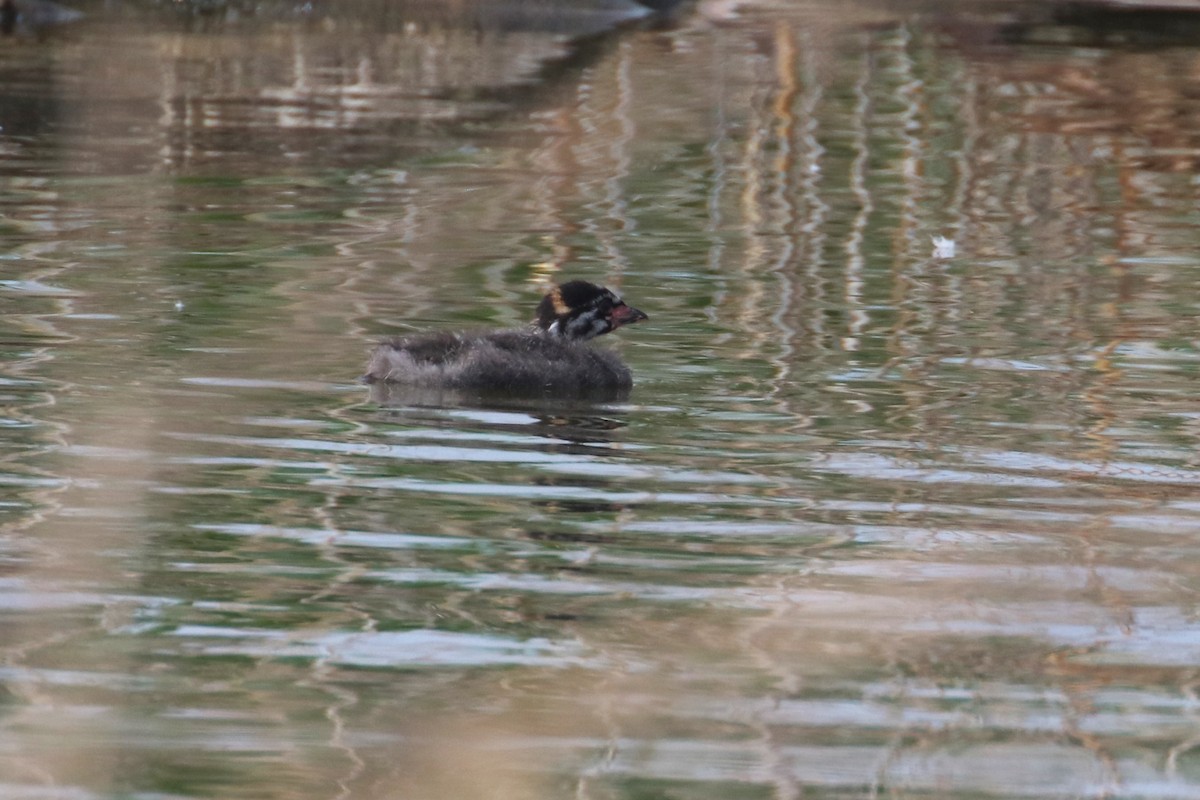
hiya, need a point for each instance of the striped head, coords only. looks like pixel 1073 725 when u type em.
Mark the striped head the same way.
pixel 579 310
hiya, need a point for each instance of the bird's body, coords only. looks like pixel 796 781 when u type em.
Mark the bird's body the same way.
pixel 550 357
pixel 519 361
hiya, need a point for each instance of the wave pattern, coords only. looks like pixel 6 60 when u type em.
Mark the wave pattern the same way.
pixel 880 518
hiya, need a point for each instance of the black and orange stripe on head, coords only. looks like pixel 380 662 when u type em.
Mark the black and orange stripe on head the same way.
pixel 568 300
pixel 560 306
pixel 550 309
pixel 580 310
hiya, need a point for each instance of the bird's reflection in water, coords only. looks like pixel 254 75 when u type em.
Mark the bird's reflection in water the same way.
pixel 588 429
pixel 576 424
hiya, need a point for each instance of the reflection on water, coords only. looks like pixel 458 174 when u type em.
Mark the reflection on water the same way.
pixel 881 516
pixel 396 395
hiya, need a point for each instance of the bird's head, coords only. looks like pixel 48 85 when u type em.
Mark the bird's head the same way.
pixel 579 310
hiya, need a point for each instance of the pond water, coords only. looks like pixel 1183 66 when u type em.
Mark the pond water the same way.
pixel 905 501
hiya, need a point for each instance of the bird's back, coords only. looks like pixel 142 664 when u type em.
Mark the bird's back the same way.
pixel 516 361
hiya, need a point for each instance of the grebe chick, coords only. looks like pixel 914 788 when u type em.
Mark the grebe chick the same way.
pixel 552 356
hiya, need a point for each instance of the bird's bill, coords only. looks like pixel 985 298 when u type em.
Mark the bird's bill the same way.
pixel 626 315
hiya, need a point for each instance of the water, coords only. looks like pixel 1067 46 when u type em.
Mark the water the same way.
pixel 876 521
